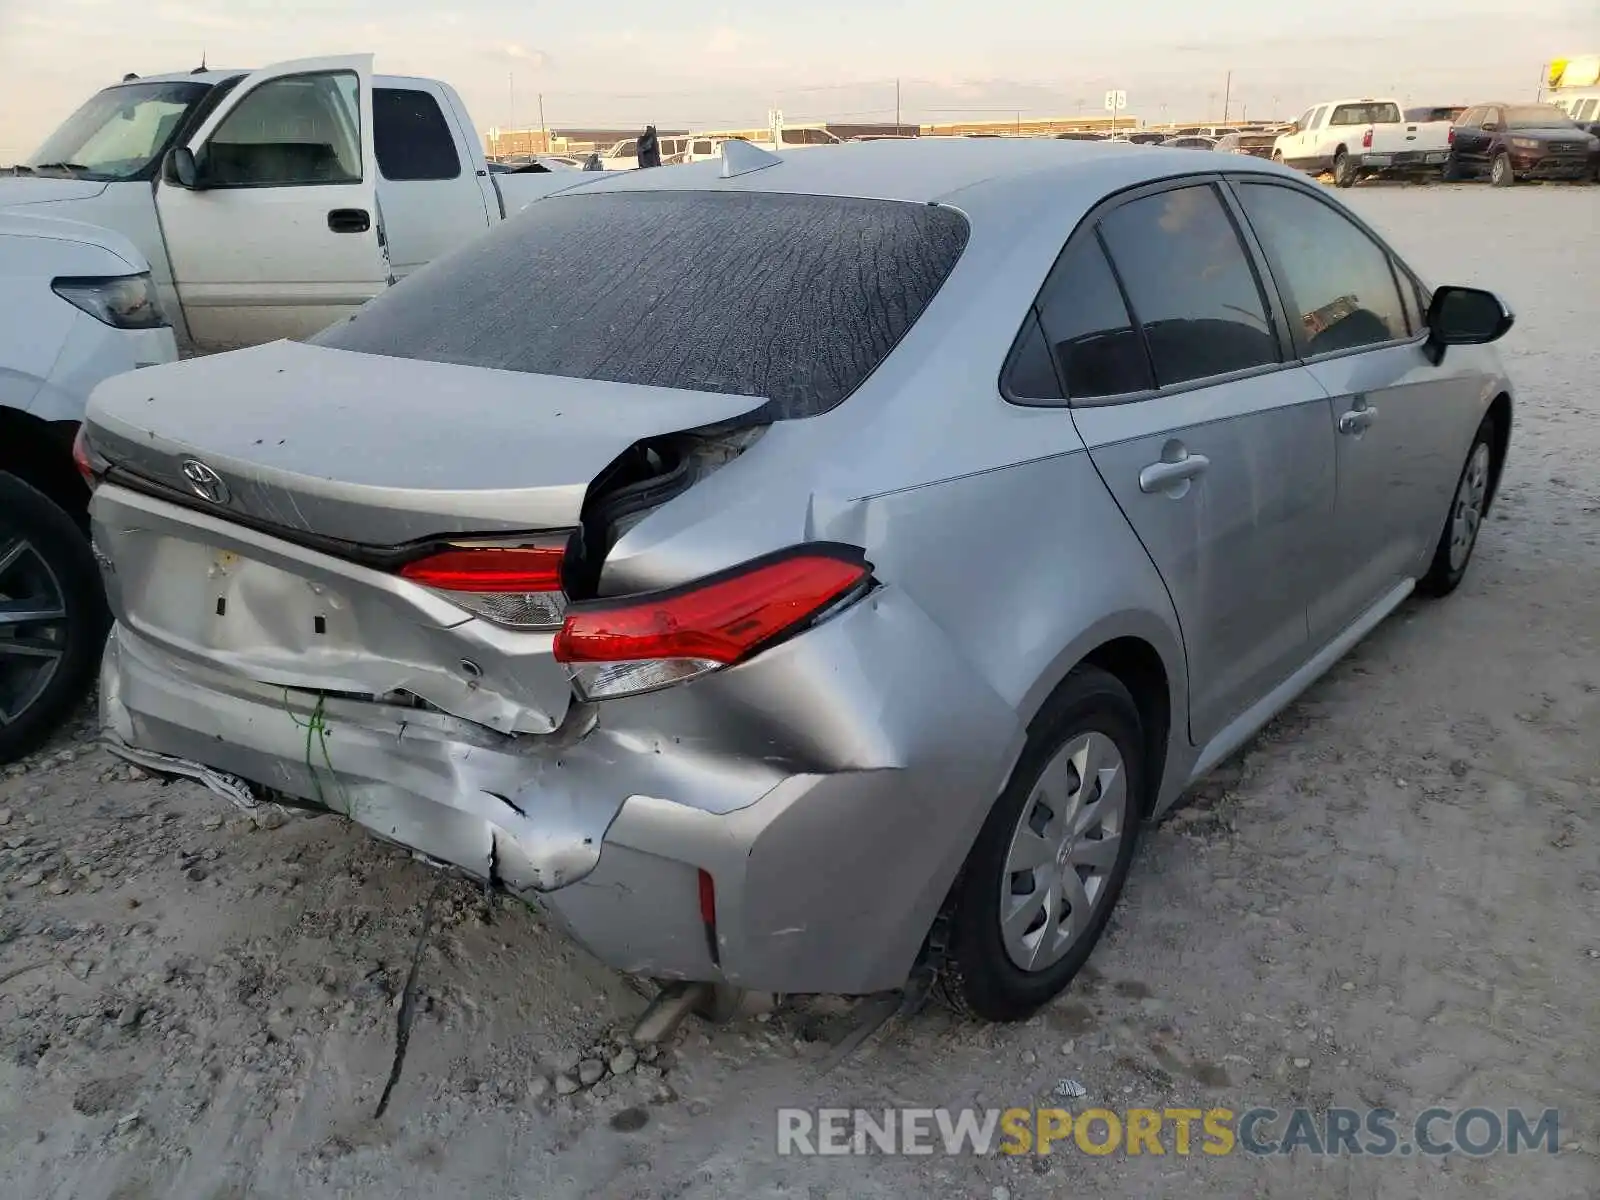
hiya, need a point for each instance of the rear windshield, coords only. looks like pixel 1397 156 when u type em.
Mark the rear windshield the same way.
pixel 1370 113
pixel 793 298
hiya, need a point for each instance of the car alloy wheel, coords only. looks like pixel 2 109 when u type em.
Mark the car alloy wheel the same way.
pixel 1466 513
pixel 1501 173
pixel 33 627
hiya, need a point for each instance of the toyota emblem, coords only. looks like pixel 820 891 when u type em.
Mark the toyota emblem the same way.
pixel 204 482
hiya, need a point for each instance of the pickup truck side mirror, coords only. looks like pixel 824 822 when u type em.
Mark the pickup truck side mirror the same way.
pixel 182 169
pixel 1465 316
pixel 1295 128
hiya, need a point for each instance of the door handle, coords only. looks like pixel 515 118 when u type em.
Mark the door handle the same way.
pixel 1357 420
pixel 1159 476
pixel 349 220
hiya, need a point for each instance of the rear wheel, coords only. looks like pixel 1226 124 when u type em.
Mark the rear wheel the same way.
pixel 1047 868
pixel 1501 172
pixel 53 617
pixel 1344 170
pixel 1467 508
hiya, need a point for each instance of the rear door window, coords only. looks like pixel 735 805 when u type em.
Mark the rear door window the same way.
pixel 1086 323
pixel 1334 278
pixel 793 298
pixel 411 136
pixel 1191 284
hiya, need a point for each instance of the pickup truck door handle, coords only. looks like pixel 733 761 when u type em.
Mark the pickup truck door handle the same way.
pixel 349 220
pixel 1164 476
pixel 1356 420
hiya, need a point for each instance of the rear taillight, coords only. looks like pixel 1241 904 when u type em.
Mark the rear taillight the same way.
pixel 622 647
pixel 88 463
pixel 518 586
pixel 1366 139
pixel 1450 137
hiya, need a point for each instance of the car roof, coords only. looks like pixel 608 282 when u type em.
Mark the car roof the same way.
pixel 992 180
pixel 216 75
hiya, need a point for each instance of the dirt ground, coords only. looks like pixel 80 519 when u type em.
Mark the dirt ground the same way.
pixel 1391 898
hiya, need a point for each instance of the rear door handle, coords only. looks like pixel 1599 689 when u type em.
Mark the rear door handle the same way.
pixel 349 220
pixel 1357 420
pixel 1161 476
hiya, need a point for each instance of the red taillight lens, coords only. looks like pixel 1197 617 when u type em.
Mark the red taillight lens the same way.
pixel 519 586
pixel 1366 139
pixel 81 458
pixel 1450 137
pixel 636 645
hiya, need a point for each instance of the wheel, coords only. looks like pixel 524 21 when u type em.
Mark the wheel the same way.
pixel 1460 535
pixel 53 617
pixel 1501 173
pixel 1047 868
pixel 1345 172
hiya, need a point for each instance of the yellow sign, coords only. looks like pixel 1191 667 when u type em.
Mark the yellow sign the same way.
pixel 1574 72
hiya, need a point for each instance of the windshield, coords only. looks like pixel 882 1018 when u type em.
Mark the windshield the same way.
pixel 794 298
pixel 1537 116
pixel 120 131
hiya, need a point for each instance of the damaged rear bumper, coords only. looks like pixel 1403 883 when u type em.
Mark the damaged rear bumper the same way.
pixel 830 788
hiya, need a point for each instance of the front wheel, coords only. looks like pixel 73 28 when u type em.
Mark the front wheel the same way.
pixel 53 617
pixel 1502 173
pixel 1344 171
pixel 1040 882
pixel 1467 509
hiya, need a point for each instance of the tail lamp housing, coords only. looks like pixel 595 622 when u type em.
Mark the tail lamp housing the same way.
pixel 1366 139
pixel 638 644
pixel 89 464
pixel 518 586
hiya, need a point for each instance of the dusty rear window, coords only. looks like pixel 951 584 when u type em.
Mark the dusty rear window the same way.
pixel 793 298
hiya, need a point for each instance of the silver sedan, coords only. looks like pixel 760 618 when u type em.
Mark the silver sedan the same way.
pixel 803 571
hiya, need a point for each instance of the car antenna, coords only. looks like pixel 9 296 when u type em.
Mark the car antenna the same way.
pixel 128 76
pixel 740 158
pixel 201 69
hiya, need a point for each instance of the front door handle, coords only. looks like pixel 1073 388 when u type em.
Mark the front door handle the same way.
pixel 1356 421
pixel 349 220
pixel 1165 476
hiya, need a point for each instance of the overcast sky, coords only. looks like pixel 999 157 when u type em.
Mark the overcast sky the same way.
pixel 705 63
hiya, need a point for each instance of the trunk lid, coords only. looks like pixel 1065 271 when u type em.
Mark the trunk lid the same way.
pixel 370 452
pixel 381 451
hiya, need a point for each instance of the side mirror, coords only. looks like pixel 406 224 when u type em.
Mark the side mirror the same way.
pixel 1465 316
pixel 1295 128
pixel 182 169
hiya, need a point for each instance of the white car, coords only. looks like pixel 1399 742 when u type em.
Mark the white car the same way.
pixel 1355 139
pixel 79 308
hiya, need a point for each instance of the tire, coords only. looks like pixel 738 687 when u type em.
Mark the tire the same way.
pixel 1501 172
pixel 1464 521
pixel 1091 715
pixel 46 663
pixel 1344 171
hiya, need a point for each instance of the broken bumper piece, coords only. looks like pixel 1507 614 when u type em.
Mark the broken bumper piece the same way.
pixel 830 847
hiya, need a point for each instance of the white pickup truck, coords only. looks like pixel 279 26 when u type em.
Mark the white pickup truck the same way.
pixel 271 203
pixel 1358 139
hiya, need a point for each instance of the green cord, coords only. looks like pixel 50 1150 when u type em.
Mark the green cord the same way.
pixel 316 726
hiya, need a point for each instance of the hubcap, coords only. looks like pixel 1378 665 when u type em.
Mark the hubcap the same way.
pixel 33 627
pixel 1063 851
pixel 1467 512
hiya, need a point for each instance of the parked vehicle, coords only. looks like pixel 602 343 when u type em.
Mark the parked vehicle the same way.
pixel 80 307
pixel 774 662
pixel 1512 142
pixel 1191 143
pixel 537 165
pixel 274 202
pixel 624 155
pixel 1258 145
pixel 1360 139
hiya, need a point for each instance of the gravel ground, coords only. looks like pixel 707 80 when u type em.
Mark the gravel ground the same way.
pixel 1390 898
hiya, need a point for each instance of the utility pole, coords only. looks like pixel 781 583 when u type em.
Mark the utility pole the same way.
pixel 897 108
pixel 1227 96
pixel 544 130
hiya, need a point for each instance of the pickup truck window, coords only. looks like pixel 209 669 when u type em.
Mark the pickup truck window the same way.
pixel 1335 278
pixel 121 131
pixel 793 298
pixel 1365 114
pixel 411 136
pixel 294 131
pixel 1316 118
